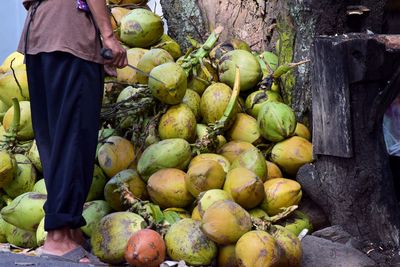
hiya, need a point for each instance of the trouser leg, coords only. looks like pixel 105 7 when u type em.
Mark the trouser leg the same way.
pixel 73 91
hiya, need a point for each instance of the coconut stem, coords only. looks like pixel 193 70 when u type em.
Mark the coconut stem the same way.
pixel 191 60
pixel 11 134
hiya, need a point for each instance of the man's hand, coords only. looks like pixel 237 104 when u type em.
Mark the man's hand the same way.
pixel 120 59
pixel 101 16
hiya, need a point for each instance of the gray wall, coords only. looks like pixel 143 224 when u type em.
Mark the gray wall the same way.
pixel 13 15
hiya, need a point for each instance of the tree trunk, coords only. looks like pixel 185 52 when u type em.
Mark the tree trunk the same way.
pixel 295 23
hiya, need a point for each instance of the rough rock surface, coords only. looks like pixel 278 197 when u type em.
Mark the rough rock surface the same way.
pixel 318 252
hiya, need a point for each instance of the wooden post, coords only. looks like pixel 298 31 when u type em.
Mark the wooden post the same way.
pixel 354 80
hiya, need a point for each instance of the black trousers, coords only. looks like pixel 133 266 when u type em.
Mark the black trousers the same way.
pixel 65 94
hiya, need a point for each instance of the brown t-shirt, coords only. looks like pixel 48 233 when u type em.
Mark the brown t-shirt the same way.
pixel 58 25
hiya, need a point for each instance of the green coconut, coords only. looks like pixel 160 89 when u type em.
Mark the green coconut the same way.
pixel 185 241
pixel 141 28
pixel 151 59
pixel 178 122
pixel 214 101
pixel 253 160
pixel 225 222
pixel 34 157
pixel 98 183
pixel 25 178
pixel 25 211
pixel 41 234
pixel 171 84
pixel 271 60
pixel 250 69
pixel 40 187
pixel 169 45
pixel 255 100
pixel 245 187
pixel 112 233
pixel 276 121
pixel 206 199
pixel 192 100
pixel 169 153
pixel 167 188
pixel 3 109
pixel 297 222
pixel 8 168
pixel 93 212
pixel 9 88
pixel 3 225
pixel 25 130
pixel 132 180
pixel 257 249
pixel 20 237
pixel 258 213
pixel 204 175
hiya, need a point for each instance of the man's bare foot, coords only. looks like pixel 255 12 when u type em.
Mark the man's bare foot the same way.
pixel 78 237
pixel 59 242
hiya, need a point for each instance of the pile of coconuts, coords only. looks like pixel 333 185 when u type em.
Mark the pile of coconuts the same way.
pixel 162 197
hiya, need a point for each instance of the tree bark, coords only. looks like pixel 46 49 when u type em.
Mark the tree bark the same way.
pixel 351 177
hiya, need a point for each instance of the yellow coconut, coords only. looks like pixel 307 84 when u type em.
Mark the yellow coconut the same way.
pixel 20 237
pixel 273 170
pixel 291 154
pixel 167 189
pixel 280 193
pixel 245 129
pixel 302 131
pixel 127 74
pixel 4 108
pixel 178 122
pixel 115 155
pixel 225 222
pixel 25 130
pixel 196 213
pixel 182 213
pixel 117 13
pixel 202 131
pixel 201 80
pixel 253 160
pixel 8 168
pixel 34 157
pixel 151 59
pixel 214 101
pixel 9 87
pixel 192 100
pixel 258 213
pixel 227 256
pixel 233 149
pixel 290 246
pixel 169 45
pixel 14 59
pixel 257 249
pixel 206 199
pixel 204 175
pixel 245 187
pixel 211 156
